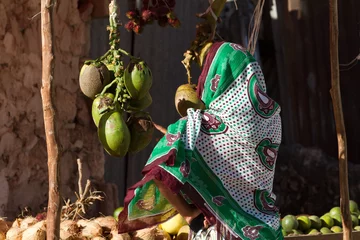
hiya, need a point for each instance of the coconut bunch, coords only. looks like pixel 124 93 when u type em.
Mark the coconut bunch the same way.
pixel 119 89
pixel 30 228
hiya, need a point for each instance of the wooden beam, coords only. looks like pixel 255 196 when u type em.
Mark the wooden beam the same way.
pixel 48 64
pixel 339 119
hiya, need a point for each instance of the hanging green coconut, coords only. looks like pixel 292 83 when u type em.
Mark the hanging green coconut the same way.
pixel 138 105
pixel 138 79
pixel 141 130
pixel 186 97
pixel 114 134
pixel 93 77
pixel 100 106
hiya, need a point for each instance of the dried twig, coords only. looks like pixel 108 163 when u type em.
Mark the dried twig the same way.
pixel 339 119
pixel 85 198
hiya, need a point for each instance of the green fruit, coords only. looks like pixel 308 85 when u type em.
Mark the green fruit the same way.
pixel 284 233
pixel 100 106
pixel 327 214
pixel 335 211
pixel 295 232
pixel 337 219
pixel 138 79
pixel 325 230
pixel 117 212
pixel 289 222
pixel 93 77
pixel 138 105
pixel 327 221
pixel 315 222
pixel 336 229
pixel 313 231
pixel 355 220
pixel 353 206
pixel 113 133
pixel 141 131
pixel 304 223
pixel 186 97
pixel 357 228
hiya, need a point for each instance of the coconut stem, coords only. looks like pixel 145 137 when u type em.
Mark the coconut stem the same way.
pixel 114 35
pixel 108 86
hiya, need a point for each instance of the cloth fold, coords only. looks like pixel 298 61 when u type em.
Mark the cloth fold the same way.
pixel 221 159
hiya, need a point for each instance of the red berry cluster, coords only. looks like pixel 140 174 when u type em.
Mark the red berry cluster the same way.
pixel 161 11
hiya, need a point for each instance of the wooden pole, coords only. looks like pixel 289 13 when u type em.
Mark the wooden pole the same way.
pixel 339 120
pixel 54 204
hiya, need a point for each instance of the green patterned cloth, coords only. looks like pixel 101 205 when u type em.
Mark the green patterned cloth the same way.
pixel 221 159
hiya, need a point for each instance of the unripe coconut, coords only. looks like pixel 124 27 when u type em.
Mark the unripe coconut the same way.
pixel 141 104
pixel 69 230
pixel 99 106
pixel 186 97
pixel 141 131
pixel 173 225
pixel 93 78
pixel 138 79
pixel 36 231
pixel 114 134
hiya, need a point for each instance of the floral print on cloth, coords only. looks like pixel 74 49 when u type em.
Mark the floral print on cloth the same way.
pixel 221 159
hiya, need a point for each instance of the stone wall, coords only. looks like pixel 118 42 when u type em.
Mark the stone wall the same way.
pixel 23 156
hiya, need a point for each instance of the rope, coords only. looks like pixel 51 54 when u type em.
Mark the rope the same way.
pixel 257 23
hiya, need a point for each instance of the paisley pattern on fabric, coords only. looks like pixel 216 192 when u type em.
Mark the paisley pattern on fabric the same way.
pixel 261 102
pixel 267 152
pixel 211 124
pixel 264 202
pixel 221 159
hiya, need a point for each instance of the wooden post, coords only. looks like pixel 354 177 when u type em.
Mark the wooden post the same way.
pixel 339 120
pixel 54 204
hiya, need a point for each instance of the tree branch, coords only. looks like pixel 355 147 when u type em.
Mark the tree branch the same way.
pixel 339 119
pixel 54 203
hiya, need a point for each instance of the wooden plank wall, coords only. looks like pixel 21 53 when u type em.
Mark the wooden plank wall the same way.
pixel 162 49
pixel 301 38
pixel 295 57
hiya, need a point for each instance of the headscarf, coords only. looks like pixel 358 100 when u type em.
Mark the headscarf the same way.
pixel 221 159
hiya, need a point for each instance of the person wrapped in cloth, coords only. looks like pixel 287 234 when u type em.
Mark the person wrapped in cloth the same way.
pixel 215 166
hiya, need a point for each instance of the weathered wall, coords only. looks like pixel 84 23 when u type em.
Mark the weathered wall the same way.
pixel 23 156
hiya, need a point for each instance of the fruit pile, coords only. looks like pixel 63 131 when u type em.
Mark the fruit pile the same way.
pixel 175 228
pixel 117 92
pixel 330 222
pixel 31 228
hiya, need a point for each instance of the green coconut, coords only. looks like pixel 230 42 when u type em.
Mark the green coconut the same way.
pixel 141 131
pixel 114 134
pixel 186 97
pixel 93 78
pixel 138 79
pixel 138 105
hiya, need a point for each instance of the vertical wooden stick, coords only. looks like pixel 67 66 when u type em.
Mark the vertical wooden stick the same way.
pixel 54 205
pixel 339 120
